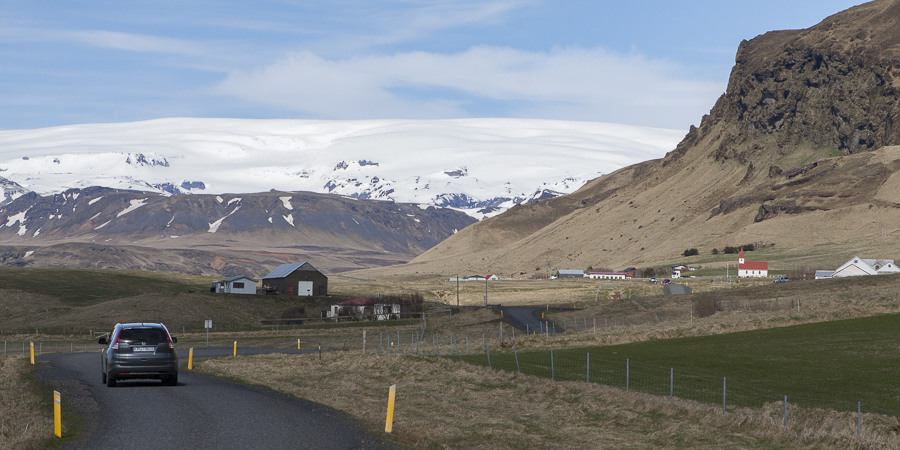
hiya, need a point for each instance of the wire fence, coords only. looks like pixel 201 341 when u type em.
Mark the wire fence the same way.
pixel 625 374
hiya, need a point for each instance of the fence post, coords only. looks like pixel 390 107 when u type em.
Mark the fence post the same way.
pixel 627 367
pixel 552 370
pixel 588 365
pixel 516 354
pixel 723 395
pixel 595 326
pixel 364 342
pixel 398 341
pixel 380 342
pixel 671 384
pixel 488 353
pixel 858 410
pixel 785 412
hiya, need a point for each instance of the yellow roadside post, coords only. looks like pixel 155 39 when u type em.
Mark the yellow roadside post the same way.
pixel 32 353
pixel 235 348
pixel 298 344
pixel 191 359
pixel 57 414
pixel 389 422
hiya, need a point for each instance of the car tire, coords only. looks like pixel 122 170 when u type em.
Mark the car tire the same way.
pixel 110 381
pixel 171 381
pixel 104 377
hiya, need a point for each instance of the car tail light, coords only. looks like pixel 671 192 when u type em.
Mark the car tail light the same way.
pixel 115 344
pixel 169 338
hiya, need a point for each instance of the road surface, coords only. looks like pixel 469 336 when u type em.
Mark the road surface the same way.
pixel 528 319
pixel 200 413
pixel 677 289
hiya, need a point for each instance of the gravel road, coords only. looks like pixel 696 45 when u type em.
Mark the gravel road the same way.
pixel 200 413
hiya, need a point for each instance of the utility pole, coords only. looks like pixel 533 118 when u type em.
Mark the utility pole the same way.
pixel 457 291
pixel 485 291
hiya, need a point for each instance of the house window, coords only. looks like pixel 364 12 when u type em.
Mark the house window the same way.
pixel 237 285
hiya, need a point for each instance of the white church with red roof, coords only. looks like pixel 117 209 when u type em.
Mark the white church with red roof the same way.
pixel 748 269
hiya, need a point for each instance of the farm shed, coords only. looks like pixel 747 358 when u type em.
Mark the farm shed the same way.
pixel 566 273
pixel 296 279
pixel 362 308
pixel 239 284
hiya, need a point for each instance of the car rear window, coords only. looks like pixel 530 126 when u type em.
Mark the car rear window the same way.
pixel 143 335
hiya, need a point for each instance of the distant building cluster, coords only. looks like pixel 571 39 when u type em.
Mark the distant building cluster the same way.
pixel 857 266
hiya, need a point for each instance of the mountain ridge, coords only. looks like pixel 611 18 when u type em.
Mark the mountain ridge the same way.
pixel 217 234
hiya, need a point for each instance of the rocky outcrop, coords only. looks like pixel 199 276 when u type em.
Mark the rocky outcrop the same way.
pixel 835 85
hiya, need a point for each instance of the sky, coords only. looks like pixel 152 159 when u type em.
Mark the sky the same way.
pixel 656 63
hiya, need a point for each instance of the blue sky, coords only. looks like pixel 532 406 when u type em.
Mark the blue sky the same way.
pixel 652 62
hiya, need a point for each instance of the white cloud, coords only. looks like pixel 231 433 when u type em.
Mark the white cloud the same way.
pixel 565 81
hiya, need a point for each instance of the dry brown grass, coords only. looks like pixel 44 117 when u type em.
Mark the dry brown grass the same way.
pixel 447 404
pixel 24 419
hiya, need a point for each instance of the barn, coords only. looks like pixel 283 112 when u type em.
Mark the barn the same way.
pixel 296 279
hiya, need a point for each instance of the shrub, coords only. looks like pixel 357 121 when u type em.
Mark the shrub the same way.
pixel 706 306
pixel 691 252
pixel 297 312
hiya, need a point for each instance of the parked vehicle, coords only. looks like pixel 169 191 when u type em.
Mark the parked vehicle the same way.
pixel 782 279
pixel 667 281
pixel 652 279
pixel 139 350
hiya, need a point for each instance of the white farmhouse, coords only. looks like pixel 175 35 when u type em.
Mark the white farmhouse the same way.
pixel 857 266
pixel 235 285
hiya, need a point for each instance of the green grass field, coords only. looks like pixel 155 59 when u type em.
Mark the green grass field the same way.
pixel 82 287
pixel 831 364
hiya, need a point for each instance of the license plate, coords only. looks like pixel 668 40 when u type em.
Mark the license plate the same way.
pixel 144 349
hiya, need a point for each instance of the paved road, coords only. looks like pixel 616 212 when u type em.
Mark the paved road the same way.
pixel 200 413
pixel 677 289
pixel 528 319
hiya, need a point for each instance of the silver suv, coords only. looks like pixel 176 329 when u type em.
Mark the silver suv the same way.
pixel 139 350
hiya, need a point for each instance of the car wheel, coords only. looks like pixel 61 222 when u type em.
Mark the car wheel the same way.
pixel 171 381
pixel 110 381
pixel 104 378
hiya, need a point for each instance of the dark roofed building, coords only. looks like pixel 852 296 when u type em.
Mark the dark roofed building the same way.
pixel 296 279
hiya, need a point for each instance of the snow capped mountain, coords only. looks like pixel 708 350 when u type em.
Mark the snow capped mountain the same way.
pixel 480 166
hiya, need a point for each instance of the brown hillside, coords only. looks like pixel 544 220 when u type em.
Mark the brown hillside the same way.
pixel 800 153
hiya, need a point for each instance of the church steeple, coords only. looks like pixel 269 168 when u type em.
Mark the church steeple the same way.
pixel 741 257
